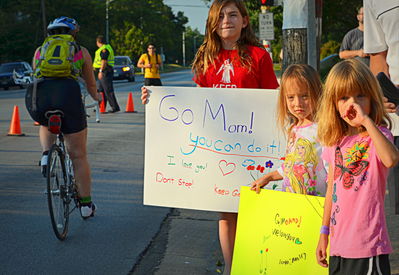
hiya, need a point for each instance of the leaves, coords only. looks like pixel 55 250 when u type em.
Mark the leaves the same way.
pixel 132 25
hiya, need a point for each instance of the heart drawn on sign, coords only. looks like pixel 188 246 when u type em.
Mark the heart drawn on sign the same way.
pixel 226 168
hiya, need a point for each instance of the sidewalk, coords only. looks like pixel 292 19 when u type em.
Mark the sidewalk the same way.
pixel 188 243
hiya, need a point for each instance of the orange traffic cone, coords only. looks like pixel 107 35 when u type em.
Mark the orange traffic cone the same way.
pixel 130 104
pixel 102 104
pixel 15 126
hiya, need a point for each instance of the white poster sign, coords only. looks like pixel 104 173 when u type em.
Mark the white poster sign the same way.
pixel 202 144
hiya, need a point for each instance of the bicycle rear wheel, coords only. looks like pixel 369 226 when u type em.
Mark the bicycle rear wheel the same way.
pixel 57 192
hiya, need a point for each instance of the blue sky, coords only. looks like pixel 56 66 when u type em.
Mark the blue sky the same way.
pixel 195 10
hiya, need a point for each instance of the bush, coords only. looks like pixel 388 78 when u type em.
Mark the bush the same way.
pixel 329 48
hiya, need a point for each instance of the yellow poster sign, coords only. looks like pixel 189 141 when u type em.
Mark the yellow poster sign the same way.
pixel 277 234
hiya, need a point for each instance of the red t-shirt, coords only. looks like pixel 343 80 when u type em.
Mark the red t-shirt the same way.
pixel 229 73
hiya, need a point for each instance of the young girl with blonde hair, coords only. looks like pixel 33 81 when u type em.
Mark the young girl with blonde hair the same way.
pixel 352 123
pixel 303 170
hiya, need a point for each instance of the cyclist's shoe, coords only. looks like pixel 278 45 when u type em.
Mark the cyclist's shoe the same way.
pixel 43 163
pixel 87 210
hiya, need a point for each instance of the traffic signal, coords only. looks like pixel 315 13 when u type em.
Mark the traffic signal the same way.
pixel 267 2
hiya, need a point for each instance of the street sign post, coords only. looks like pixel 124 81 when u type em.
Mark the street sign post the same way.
pixel 266 26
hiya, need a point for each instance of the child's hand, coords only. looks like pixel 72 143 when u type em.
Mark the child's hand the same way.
pixel 321 251
pixel 144 95
pixel 354 115
pixel 258 184
pixel 389 106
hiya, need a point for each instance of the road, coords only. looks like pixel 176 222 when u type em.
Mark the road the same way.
pixel 122 229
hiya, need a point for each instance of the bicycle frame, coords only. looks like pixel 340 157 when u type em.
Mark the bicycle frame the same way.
pixel 72 188
pixel 61 186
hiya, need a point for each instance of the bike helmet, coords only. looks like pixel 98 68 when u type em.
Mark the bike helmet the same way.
pixel 63 22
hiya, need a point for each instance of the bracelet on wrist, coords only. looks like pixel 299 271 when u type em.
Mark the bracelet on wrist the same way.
pixel 325 230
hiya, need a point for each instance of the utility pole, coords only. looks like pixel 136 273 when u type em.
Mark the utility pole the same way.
pixel 301 34
pixel 311 35
pixel 43 7
pixel 184 49
pixel 107 2
pixel 294 32
pixel 106 21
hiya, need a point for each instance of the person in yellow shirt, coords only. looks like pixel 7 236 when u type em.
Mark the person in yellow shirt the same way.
pixel 151 62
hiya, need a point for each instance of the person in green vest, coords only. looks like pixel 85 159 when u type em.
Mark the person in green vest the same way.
pixel 104 71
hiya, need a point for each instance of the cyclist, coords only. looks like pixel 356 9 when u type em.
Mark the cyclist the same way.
pixel 63 93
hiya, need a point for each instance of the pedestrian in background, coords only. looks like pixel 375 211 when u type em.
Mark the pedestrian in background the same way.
pixel 352 44
pixel 381 41
pixel 104 70
pixel 151 62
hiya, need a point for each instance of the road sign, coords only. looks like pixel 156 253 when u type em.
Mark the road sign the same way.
pixel 266 26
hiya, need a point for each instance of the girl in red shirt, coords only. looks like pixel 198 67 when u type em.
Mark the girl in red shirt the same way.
pixel 231 57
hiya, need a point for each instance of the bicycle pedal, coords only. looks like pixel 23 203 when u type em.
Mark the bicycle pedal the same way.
pixel 54 123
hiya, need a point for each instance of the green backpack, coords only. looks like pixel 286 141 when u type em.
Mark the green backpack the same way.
pixel 56 57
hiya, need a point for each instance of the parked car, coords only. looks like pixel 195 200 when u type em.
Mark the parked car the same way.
pixel 124 68
pixel 15 74
pixel 327 63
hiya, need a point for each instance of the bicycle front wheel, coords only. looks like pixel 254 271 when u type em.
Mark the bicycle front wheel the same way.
pixel 57 192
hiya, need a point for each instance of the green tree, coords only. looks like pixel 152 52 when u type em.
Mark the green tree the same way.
pixel 151 20
pixel 129 40
pixel 193 40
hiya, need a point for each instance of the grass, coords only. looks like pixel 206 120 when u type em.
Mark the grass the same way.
pixel 167 68
pixel 277 69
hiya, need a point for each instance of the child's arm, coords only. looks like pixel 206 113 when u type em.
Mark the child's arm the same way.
pixel 386 151
pixel 321 251
pixel 264 180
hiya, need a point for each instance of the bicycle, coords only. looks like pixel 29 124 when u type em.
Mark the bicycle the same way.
pixel 61 186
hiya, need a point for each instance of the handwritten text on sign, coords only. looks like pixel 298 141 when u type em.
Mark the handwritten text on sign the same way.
pixel 202 144
pixel 284 232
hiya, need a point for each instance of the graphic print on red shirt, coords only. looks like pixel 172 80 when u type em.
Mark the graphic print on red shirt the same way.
pixel 228 72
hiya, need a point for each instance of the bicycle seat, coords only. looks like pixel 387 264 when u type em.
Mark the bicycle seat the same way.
pixel 54 112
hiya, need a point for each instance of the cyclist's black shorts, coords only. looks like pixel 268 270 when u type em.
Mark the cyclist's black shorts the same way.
pixel 58 94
